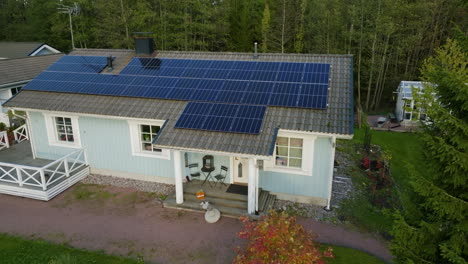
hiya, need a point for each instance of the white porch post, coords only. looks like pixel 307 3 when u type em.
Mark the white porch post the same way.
pixel 332 165
pixel 252 187
pixel 178 177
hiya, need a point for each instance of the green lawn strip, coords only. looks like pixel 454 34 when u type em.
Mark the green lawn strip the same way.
pixel 344 255
pixel 16 250
pixel 405 148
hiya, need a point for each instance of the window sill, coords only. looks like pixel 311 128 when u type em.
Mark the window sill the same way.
pixel 297 171
pixel 154 156
pixel 64 145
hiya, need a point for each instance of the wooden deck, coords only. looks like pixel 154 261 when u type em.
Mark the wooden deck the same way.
pixel 229 204
pixel 42 179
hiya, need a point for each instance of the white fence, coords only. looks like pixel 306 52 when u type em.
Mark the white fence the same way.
pixel 43 177
pixel 21 134
pixel 4 140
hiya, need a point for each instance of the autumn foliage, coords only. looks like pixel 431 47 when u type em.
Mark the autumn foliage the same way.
pixel 278 239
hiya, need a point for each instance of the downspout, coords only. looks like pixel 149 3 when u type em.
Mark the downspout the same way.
pixel 332 163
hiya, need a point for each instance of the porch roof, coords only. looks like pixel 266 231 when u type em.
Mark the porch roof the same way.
pixel 336 119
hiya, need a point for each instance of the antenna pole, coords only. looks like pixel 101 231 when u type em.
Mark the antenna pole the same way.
pixel 71 30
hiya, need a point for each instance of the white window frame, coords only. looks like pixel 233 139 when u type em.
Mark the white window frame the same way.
pixel 52 134
pixel 308 146
pixel 135 139
pixel 288 156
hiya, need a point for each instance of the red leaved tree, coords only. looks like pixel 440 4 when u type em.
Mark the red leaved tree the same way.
pixel 278 239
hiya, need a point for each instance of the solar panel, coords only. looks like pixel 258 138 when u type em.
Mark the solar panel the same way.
pixel 283 84
pixel 92 64
pixel 234 118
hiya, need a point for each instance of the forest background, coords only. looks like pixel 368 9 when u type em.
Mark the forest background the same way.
pixel 388 38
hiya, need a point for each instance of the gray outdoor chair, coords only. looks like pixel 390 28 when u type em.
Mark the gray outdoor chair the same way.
pixel 221 177
pixel 194 172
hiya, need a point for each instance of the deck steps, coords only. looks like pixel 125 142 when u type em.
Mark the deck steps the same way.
pixel 194 205
pixel 266 201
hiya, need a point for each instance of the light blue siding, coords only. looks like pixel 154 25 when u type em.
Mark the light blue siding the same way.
pixel 107 143
pixel 219 161
pixel 315 185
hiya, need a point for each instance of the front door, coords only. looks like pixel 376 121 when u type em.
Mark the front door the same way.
pixel 241 171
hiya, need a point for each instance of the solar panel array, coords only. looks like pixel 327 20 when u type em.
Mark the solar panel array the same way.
pixel 92 64
pixel 250 85
pixel 222 117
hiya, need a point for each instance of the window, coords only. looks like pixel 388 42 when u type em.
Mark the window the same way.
pixel 147 134
pixel 64 128
pixel 408 116
pixel 289 152
pixel 15 90
pixel 142 134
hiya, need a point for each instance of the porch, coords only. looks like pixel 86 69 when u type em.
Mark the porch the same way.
pixel 231 202
pixel 23 175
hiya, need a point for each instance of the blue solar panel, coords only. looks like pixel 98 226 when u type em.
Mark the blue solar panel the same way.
pixel 222 117
pixel 240 82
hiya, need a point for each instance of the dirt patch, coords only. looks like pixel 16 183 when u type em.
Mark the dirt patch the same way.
pixel 122 221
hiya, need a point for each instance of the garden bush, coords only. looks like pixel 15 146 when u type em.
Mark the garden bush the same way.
pixel 278 239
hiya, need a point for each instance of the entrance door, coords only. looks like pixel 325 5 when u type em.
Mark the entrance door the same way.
pixel 241 171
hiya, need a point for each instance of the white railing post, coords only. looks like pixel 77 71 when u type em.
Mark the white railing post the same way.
pixel 4 140
pixel 43 180
pixel 20 177
pixel 65 165
pixel 85 156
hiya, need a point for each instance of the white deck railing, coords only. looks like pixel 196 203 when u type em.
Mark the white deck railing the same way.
pixel 45 176
pixel 21 134
pixel 4 140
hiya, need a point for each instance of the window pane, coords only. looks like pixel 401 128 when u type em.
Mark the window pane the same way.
pixel 69 129
pixel 145 137
pixel 283 141
pixel 296 142
pixel 59 120
pixel 157 149
pixel 282 151
pixel 145 128
pixel 155 129
pixel 60 129
pixel 280 161
pixel 67 121
pixel 70 138
pixel 62 137
pixel 296 163
pixel 147 146
pixel 295 152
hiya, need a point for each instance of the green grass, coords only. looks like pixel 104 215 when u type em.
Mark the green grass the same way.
pixel 344 255
pixel 15 250
pixel 405 149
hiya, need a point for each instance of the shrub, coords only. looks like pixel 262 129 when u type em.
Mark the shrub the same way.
pixel 278 239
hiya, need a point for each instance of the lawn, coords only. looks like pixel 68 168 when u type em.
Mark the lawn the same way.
pixel 345 255
pixel 405 149
pixel 18 250
pixel 15 250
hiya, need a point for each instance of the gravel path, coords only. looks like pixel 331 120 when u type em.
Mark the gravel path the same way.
pixel 120 222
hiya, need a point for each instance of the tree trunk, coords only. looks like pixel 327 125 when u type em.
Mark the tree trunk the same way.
pixel 283 26
pixel 124 17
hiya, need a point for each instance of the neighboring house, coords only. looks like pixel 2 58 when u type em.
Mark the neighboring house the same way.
pixel 15 73
pixel 272 121
pixel 15 50
pixel 406 110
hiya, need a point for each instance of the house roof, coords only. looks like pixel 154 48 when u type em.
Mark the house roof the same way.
pixel 337 119
pixel 24 69
pixel 14 50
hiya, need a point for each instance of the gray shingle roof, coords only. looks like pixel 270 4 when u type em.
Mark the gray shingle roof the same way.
pixel 23 69
pixel 14 50
pixel 336 119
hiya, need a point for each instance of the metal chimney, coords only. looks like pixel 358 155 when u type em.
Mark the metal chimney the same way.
pixel 255 51
pixel 109 63
pixel 144 45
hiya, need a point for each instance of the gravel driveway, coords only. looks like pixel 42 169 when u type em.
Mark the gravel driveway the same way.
pixel 122 221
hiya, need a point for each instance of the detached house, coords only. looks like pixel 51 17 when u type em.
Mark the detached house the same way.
pixel 269 121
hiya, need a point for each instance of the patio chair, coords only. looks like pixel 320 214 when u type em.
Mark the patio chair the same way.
pixel 221 176
pixel 194 172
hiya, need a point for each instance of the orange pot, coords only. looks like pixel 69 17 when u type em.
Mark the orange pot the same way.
pixel 200 195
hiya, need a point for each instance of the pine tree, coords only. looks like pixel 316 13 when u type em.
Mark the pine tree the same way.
pixel 439 236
